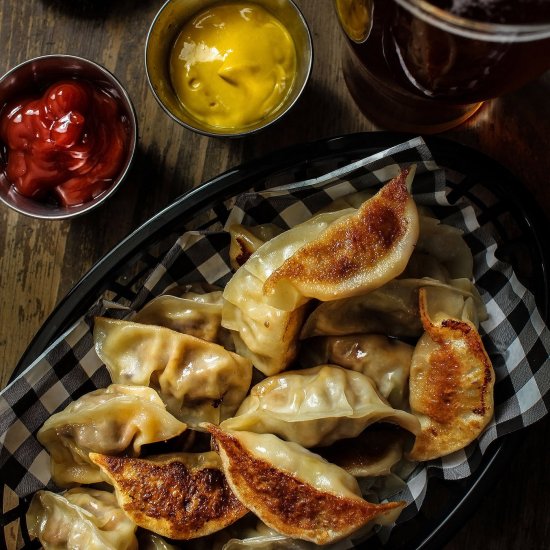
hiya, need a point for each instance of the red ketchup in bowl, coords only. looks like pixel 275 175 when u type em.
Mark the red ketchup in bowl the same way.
pixel 67 146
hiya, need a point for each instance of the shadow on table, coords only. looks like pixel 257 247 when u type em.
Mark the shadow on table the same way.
pixel 319 113
pixel 143 193
pixel 90 9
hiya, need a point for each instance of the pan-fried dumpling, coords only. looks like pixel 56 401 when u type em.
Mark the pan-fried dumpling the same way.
pixel 316 406
pixel 385 360
pixel 333 255
pixel 356 251
pixel 246 240
pixel 266 334
pixel 296 492
pixel 198 316
pixel 391 309
pixel 180 496
pixel 441 251
pixel 118 419
pixel 80 519
pixel 198 380
pixel 451 383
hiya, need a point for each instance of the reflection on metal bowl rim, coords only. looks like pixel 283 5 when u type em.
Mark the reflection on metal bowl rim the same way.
pixel 19 80
pixel 46 211
pixel 475 30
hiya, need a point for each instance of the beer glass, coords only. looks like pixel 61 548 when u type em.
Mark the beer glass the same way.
pixel 420 66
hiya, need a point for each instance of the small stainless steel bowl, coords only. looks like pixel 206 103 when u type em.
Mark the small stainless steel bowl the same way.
pixel 33 77
pixel 161 38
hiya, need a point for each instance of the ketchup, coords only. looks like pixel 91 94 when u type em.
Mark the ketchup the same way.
pixel 68 145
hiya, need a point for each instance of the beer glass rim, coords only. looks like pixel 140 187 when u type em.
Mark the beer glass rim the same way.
pixel 477 30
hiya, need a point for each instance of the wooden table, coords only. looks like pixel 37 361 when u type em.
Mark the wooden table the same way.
pixel 40 262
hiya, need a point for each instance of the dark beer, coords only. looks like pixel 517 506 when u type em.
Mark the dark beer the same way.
pixel 430 73
pixel 501 12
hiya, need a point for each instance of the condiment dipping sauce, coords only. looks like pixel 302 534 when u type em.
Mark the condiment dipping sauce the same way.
pixel 68 136
pixel 67 145
pixel 232 65
pixel 228 68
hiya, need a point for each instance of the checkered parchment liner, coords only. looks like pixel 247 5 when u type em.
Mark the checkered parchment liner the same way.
pixel 515 335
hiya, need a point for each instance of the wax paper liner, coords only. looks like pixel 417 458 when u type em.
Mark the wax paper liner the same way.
pixel 515 335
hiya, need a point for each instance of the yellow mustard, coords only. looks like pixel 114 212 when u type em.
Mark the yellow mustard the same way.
pixel 232 65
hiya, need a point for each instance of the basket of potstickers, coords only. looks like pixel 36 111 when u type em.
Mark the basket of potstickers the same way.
pixel 288 377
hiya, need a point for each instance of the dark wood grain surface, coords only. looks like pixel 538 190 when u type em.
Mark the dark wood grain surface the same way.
pixel 41 261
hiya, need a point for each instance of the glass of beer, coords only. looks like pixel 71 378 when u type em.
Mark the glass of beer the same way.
pixel 427 66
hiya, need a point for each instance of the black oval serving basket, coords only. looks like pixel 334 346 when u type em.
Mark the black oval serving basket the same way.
pixel 498 197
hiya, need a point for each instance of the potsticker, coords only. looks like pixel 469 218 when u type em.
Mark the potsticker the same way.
pixel 180 496
pixel 451 383
pixel 296 492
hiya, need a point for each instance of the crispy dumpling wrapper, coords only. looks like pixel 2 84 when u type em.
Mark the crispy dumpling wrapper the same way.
pixel 316 407
pixel 267 334
pixel 440 252
pixel 198 380
pixel 385 360
pixel 180 496
pixel 114 420
pixel 294 491
pixel 358 251
pixel 451 382
pixel 80 519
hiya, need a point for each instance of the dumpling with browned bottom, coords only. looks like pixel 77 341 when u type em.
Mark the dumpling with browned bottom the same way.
pixel 296 492
pixel 451 382
pixel 180 496
pixel 358 251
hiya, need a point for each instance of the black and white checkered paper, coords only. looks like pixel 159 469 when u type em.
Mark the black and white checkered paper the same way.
pixel 515 335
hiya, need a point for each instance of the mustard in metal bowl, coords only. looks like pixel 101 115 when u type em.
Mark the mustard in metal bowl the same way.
pixel 232 65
